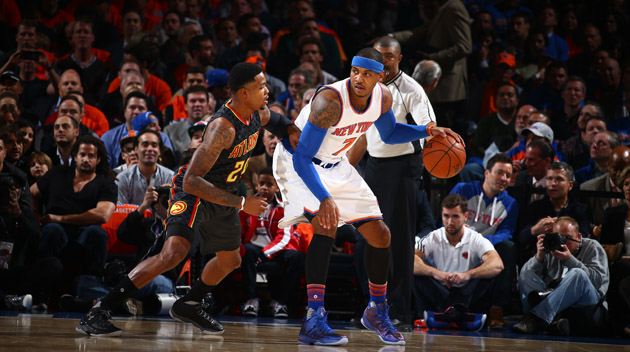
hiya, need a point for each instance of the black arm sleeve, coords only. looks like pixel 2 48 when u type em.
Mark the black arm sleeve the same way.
pixel 278 124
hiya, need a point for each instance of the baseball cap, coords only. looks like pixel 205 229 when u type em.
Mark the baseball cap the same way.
pixel 198 126
pixel 128 137
pixel 541 130
pixel 505 58
pixel 9 75
pixel 143 120
pixel 217 77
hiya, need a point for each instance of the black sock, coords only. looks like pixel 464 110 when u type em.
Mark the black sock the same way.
pixel 198 291
pixel 118 294
pixel 317 259
pixel 377 264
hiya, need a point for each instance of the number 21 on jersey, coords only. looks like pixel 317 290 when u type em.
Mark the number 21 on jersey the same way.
pixel 239 168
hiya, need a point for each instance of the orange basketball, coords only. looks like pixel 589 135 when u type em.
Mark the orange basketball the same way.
pixel 443 157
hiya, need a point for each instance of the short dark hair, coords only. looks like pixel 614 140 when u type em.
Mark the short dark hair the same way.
pixel 136 140
pixel 70 96
pixel 498 158
pixel 266 171
pixel 127 61
pixel 196 89
pixel 75 123
pixel 242 21
pixel 308 78
pixel 311 40
pixel 525 15
pixel 371 53
pixel 544 149
pixel 559 165
pixel 136 94
pixel 195 42
pixel 194 70
pixel 103 166
pixel 242 74
pixel 453 200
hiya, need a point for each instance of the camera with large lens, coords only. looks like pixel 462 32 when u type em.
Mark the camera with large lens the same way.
pixel 553 241
pixel 163 192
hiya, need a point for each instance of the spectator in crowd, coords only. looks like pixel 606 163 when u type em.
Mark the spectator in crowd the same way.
pixel 548 21
pixel 263 241
pixel 134 182
pixel 226 35
pixel 582 64
pixel 135 104
pixel 297 78
pixel 446 33
pixel 176 109
pixel 565 121
pixel 9 106
pixel 454 267
pixel 498 125
pixel 131 25
pixel 249 29
pixel 217 81
pixel 13 146
pixel 94 73
pixel 66 132
pixel 493 213
pixel 127 152
pixel 518 31
pixel 77 199
pixel 536 131
pixel 613 233
pixel 39 164
pixel 201 51
pixel 564 288
pixel 70 82
pixel 196 135
pixel 256 55
pixel 577 148
pixel 548 95
pixel 199 103
pixel 26 279
pixel 538 156
pixel 24 196
pixel 601 148
pixel 310 50
pixel 113 103
pixel 502 72
pixel 619 160
pixel 427 73
pixel 611 92
pixel 558 201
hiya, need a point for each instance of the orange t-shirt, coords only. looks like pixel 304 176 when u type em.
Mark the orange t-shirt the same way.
pixel 154 87
pixel 93 119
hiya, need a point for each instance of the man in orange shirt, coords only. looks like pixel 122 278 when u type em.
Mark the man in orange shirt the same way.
pixel 176 109
pixel 93 118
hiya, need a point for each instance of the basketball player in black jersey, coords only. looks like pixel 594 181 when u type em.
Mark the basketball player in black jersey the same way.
pixel 203 201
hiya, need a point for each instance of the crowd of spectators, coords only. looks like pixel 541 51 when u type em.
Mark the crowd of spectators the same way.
pixel 101 100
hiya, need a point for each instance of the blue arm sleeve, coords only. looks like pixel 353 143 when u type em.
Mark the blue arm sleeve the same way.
pixel 393 132
pixel 310 141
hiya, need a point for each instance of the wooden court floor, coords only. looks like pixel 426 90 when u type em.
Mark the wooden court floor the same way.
pixel 35 332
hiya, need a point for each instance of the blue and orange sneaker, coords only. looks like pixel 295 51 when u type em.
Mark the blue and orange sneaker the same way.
pixel 315 331
pixel 376 317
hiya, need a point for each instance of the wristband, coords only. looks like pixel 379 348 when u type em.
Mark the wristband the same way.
pixel 429 128
pixel 242 203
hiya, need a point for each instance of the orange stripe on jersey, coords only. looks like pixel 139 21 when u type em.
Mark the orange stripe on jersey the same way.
pixel 194 213
pixel 236 114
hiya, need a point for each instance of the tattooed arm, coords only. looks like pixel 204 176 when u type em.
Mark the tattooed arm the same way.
pixel 325 112
pixel 219 136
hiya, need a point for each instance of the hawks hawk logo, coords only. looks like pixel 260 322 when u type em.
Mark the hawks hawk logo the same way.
pixel 178 208
pixel 465 255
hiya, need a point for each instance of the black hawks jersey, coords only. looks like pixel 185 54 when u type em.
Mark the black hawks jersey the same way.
pixel 232 162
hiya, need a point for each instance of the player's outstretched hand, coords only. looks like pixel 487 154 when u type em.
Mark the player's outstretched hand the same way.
pixel 444 131
pixel 255 205
pixel 328 215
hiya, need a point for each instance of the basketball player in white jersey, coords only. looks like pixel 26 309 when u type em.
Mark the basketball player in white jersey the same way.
pixel 318 184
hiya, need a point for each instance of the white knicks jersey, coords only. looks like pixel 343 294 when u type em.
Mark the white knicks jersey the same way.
pixel 350 126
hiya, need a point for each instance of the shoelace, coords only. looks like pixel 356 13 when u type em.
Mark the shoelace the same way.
pixel 202 313
pixel 322 325
pixel 384 317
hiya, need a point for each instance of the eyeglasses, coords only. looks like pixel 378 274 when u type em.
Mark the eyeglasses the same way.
pixel 128 150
